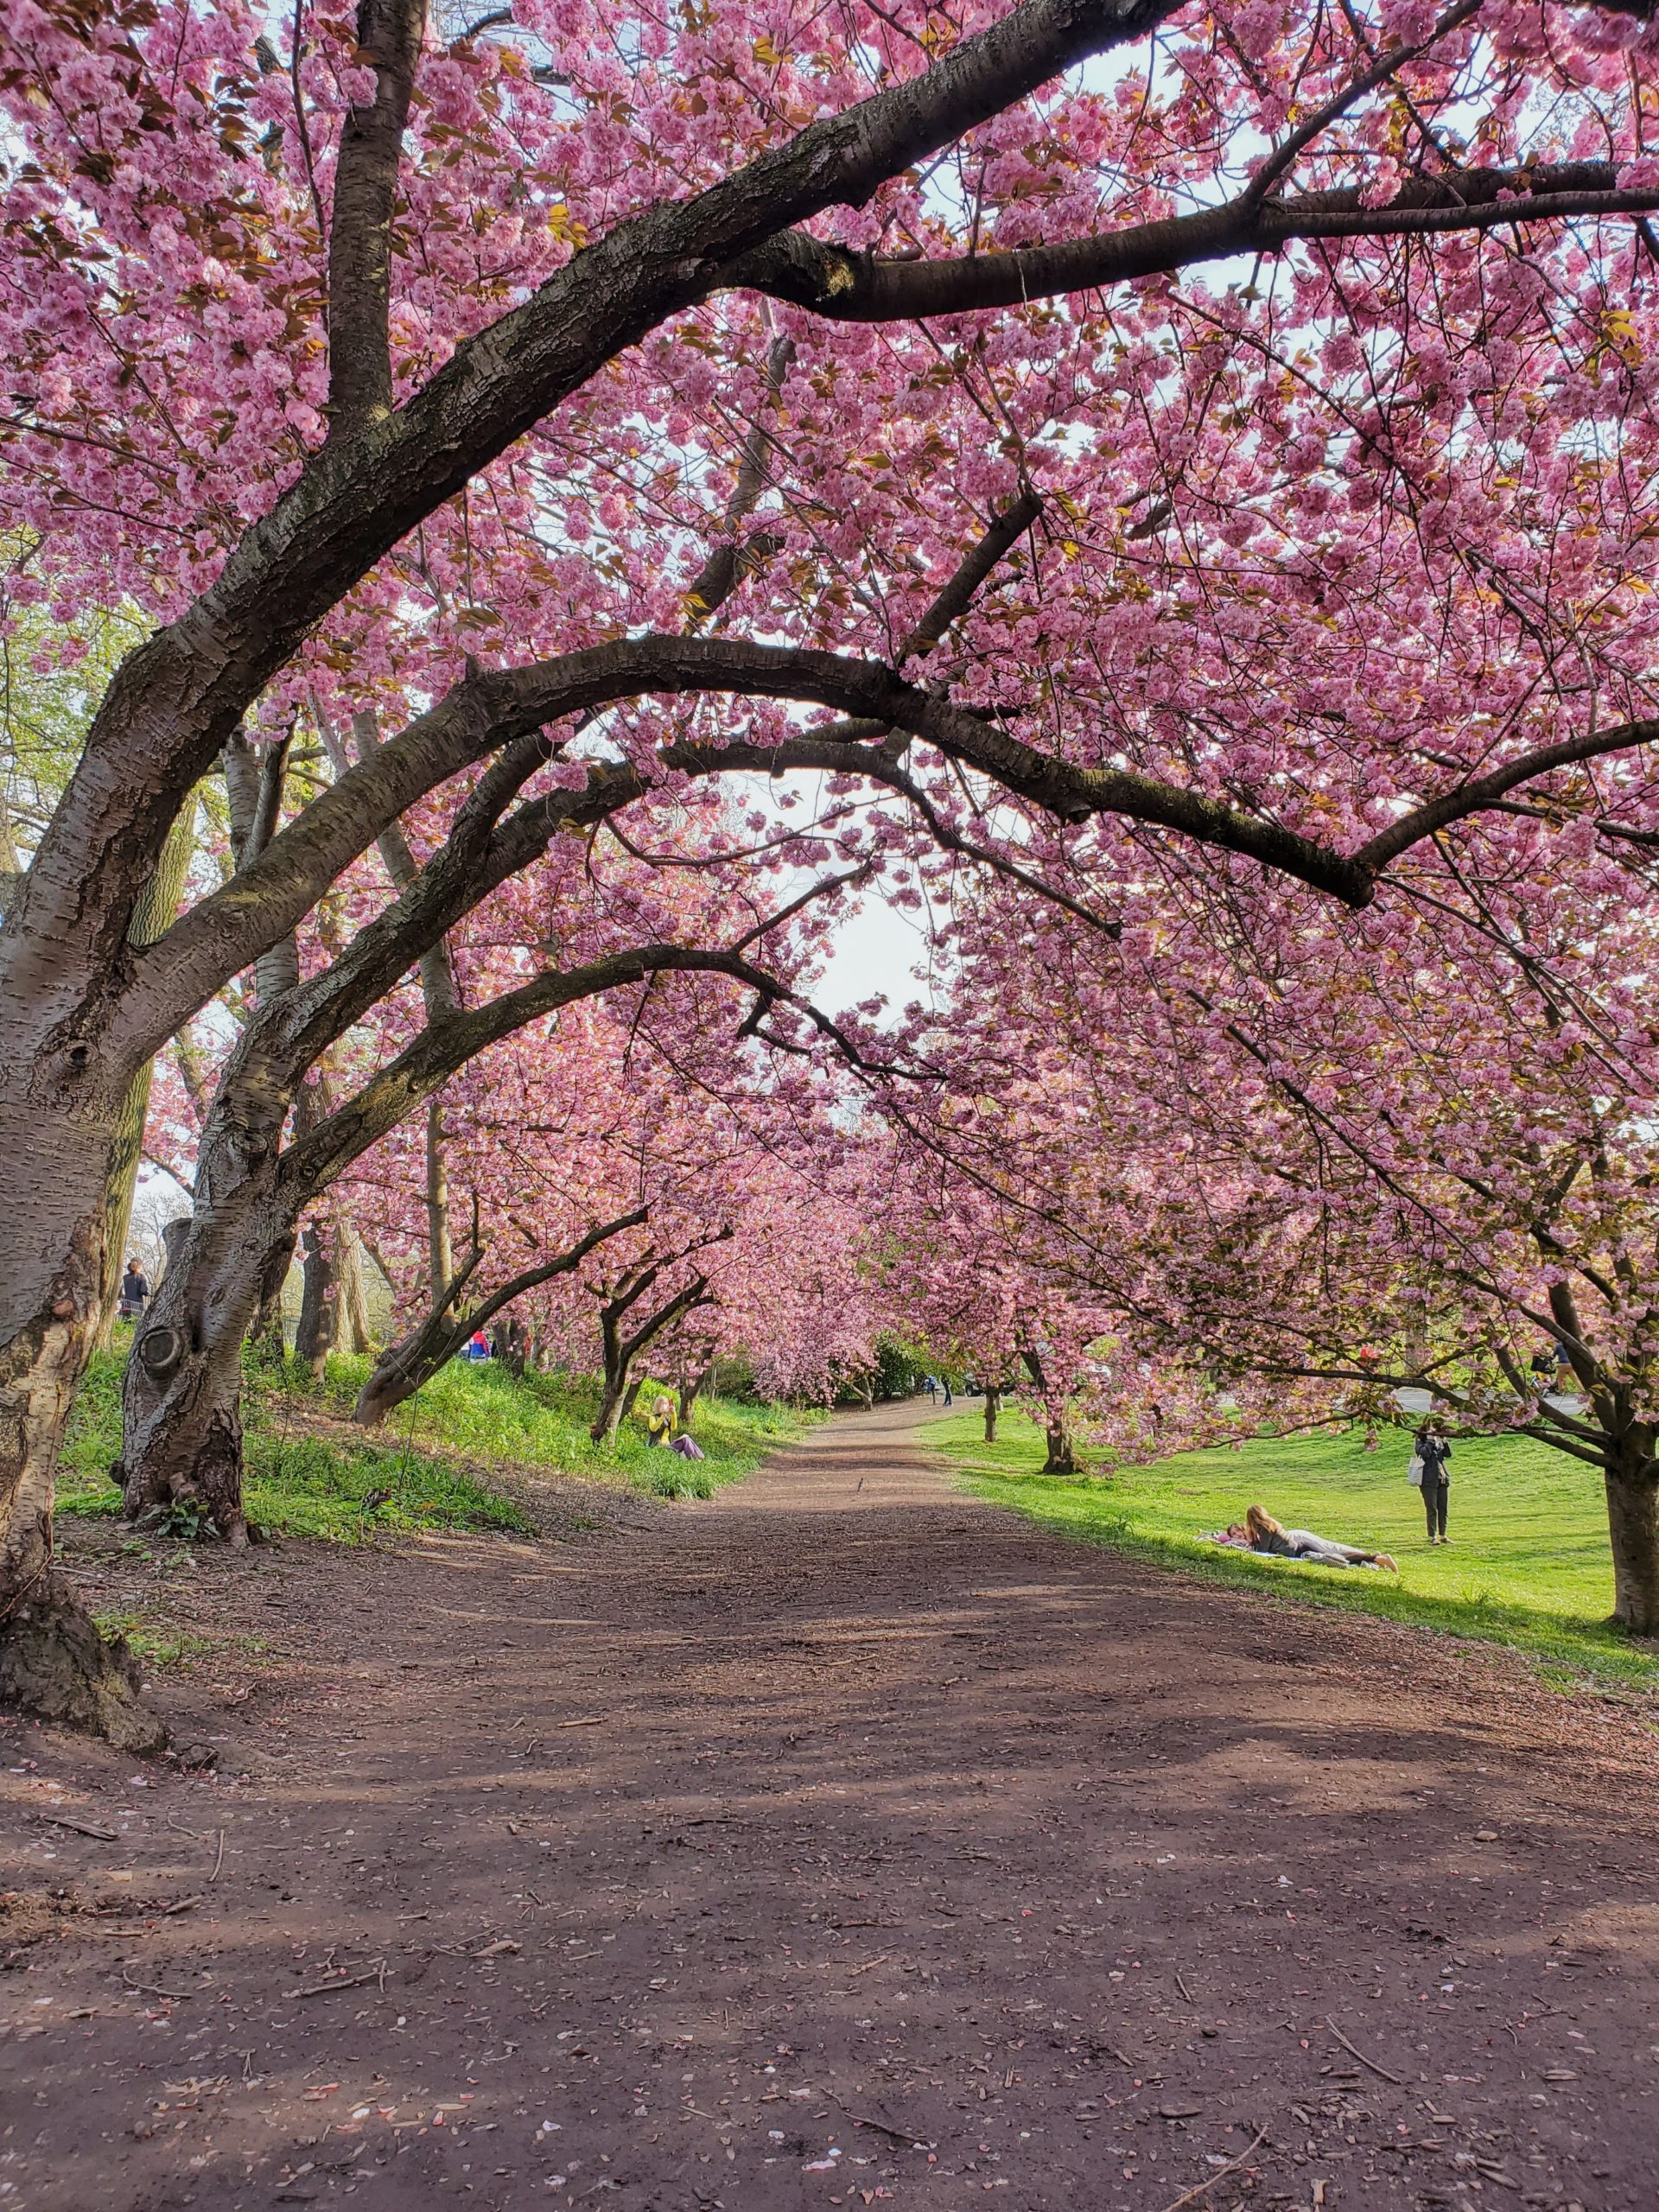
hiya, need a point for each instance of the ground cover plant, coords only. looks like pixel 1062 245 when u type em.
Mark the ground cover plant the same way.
pixel 310 1474
pixel 1527 1565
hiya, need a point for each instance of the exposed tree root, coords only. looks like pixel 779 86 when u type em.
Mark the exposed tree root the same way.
pixel 57 1665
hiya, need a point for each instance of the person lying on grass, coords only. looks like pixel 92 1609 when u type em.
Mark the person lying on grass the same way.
pixel 1264 1534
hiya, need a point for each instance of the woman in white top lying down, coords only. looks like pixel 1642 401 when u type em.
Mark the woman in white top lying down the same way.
pixel 1267 1536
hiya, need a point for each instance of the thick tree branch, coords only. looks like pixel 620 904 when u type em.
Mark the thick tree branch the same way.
pixel 545 1270
pixel 1484 792
pixel 224 932
pixel 389 33
pixel 404 1366
pixel 323 1153
pixel 684 1300
pixel 174 700
pixel 437 970
pixel 845 286
pixel 975 571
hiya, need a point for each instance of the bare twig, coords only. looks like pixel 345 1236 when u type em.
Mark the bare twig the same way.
pixel 82 1828
pixel 904 2135
pixel 1359 2054
pixel 376 1973
pixel 1221 2172
pixel 150 1989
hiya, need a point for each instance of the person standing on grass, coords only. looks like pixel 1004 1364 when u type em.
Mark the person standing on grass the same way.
pixel 1435 1452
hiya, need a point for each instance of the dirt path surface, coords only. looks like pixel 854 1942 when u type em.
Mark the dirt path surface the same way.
pixel 841 1842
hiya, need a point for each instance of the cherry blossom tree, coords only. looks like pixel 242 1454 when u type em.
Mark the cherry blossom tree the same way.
pixel 255 1183
pixel 656 1190
pixel 431 368
pixel 1301 1170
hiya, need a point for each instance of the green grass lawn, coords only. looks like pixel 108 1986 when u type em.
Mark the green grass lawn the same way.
pixel 1528 1564
pixel 308 1478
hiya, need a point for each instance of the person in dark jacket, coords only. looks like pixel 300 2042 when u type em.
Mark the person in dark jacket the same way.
pixel 1435 1452
pixel 134 1292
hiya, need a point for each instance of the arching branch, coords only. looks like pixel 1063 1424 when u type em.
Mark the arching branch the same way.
pixel 845 286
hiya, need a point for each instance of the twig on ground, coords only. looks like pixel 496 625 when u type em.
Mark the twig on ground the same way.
pixel 1182 1987
pixel 376 1973
pixel 218 1859
pixel 1359 2054
pixel 597 1721
pixel 150 1989
pixel 82 1828
pixel 1221 2172
pixel 882 2127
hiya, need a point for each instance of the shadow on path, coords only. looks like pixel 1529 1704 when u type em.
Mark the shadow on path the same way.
pixel 845 1842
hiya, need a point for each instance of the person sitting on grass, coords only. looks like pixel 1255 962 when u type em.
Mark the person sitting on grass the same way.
pixel 1267 1536
pixel 659 1421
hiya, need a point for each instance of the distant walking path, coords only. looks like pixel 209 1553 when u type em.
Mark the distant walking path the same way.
pixel 840 1841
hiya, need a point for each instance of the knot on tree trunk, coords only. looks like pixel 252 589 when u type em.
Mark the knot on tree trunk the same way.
pixel 160 1351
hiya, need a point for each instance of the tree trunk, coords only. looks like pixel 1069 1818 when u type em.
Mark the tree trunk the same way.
pixel 1633 1527
pixel 182 1393
pixel 265 1332
pixel 993 1406
pixel 1062 1451
pixel 52 1660
pixel 621 1351
pixel 693 1384
pixel 408 1365
pixel 354 1301
pixel 183 1451
pixel 616 1400
pixel 440 1254
pixel 181 1422
pixel 154 915
pixel 313 1339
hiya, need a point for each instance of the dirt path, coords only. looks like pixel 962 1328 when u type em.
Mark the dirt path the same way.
pixel 841 1842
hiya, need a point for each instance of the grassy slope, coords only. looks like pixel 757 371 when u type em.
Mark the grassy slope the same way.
pixel 1527 1565
pixel 307 1477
